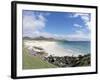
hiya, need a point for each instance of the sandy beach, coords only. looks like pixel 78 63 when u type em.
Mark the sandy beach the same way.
pixel 50 47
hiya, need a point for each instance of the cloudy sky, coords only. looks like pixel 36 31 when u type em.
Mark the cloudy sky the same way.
pixel 65 25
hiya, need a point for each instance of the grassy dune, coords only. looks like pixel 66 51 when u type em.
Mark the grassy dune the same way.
pixel 34 62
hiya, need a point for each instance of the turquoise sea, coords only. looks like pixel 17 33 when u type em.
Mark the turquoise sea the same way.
pixel 83 47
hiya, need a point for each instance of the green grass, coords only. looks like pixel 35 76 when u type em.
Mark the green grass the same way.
pixel 34 62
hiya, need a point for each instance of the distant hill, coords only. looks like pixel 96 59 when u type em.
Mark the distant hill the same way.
pixel 42 38
pixel 27 38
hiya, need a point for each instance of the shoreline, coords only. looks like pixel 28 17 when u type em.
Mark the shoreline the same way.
pixel 60 58
pixel 51 48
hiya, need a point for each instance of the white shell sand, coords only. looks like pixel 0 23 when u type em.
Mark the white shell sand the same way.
pixel 51 48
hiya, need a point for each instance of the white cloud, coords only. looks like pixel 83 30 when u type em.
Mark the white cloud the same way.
pixel 77 25
pixel 33 22
pixel 78 37
pixel 84 17
pixel 89 25
pixel 80 33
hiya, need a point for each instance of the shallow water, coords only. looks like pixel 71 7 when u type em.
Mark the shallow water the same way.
pixel 62 48
pixel 82 47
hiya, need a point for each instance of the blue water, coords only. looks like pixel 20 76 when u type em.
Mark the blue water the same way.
pixel 76 46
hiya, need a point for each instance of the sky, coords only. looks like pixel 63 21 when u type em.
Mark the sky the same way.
pixel 60 25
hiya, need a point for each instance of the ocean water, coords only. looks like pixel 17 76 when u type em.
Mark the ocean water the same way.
pixel 83 47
